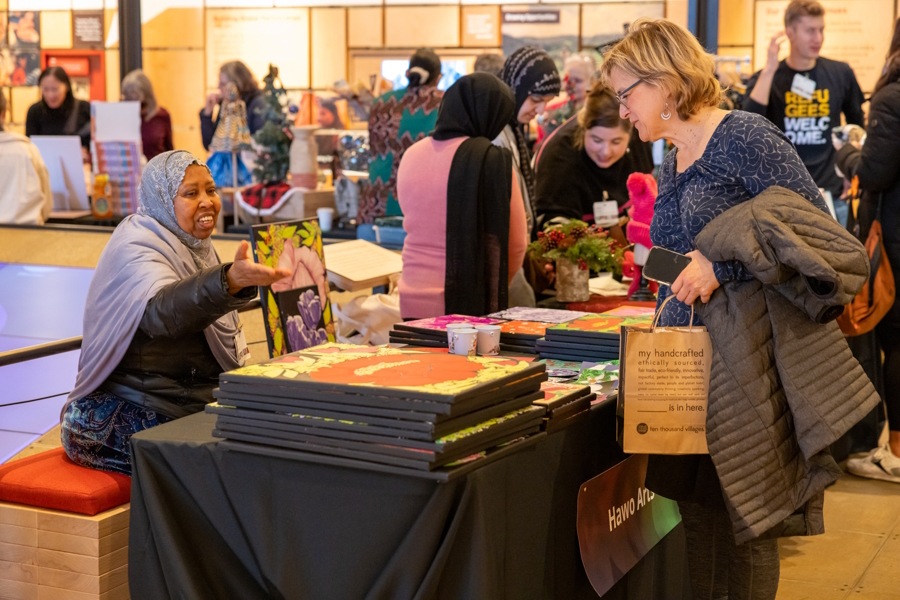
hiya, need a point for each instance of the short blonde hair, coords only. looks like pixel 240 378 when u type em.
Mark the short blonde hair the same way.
pixel 798 9
pixel 665 55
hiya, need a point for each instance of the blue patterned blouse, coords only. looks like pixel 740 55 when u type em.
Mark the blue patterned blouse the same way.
pixel 745 155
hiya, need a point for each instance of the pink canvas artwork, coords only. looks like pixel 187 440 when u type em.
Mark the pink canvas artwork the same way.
pixel 440 323
pixel 631 311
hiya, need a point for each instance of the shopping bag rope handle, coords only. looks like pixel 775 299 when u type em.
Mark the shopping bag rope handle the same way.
pixel 662 307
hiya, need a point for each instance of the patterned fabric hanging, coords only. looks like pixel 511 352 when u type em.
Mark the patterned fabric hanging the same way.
pixel 398 120
pixel 231 137
pixel 232 133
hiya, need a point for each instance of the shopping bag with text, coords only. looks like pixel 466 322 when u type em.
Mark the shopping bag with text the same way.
pixel 664 388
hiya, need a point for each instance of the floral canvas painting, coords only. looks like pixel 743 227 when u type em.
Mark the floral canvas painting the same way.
pixel 297 247
pixel 302 318
pixel 600 373
pixel 602 377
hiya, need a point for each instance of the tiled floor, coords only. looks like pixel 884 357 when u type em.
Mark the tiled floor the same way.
pixel 858 557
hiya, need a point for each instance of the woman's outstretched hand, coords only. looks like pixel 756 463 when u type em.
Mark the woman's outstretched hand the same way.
pixel 697 280
pixel 246 273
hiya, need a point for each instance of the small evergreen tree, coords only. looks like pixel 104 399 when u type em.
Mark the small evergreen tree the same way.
pixel 273 155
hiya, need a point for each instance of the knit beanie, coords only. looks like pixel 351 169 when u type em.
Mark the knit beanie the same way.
pixel 528 72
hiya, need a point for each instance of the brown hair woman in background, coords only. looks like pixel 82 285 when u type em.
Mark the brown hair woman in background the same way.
pixel 239 74
pixel 592 153
pixel 156 124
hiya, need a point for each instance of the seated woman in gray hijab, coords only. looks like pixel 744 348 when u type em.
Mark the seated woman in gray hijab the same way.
pixel 160 322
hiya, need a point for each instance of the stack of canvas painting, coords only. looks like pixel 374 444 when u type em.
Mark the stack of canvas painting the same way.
pixel 419 412
pixel 592 338
pixel 566 403
pixel 432 332
pixel 525 326
pixel 521 336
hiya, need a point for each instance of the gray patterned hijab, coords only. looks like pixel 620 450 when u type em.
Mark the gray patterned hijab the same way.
pixel 159 185
pixel 528 72
pixel 146 252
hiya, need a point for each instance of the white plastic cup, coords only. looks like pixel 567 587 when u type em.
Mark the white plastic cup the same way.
pixel 326 216
pixel 452 326
pixel 463 342
pixel 488 340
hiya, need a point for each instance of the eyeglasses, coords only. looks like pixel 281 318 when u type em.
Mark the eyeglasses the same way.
pixel 621 97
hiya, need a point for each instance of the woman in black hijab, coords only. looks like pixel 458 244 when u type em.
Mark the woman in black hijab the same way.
pixel 464 217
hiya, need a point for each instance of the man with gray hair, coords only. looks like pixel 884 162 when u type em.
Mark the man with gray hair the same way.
pixel 25 196
pixel 489 62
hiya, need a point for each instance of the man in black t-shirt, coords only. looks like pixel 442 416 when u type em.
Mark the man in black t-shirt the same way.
pixel 805 94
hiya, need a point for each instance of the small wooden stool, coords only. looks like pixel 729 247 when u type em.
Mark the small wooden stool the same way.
pixel 63 530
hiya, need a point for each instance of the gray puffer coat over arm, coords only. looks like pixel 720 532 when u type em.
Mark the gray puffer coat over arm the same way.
pixel 783 384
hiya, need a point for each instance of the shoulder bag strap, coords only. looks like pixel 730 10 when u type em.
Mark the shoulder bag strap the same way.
pixel 72 121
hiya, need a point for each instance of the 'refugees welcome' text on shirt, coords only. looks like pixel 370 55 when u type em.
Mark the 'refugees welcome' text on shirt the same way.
pixel 808 122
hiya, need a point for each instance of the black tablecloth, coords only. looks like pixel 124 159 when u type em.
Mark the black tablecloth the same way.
pixel 209 523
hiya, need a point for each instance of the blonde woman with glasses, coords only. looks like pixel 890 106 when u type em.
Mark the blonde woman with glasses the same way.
pixel 756 484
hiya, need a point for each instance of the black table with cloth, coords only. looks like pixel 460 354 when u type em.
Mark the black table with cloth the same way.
pixel 212 523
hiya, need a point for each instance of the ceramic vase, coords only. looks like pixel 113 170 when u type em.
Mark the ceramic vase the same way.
pixel 571 282
pixel 304 157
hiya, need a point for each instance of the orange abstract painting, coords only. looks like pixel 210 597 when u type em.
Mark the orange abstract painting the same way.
pixel 523 328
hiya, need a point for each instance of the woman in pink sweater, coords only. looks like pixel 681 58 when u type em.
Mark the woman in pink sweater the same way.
pixel 463 213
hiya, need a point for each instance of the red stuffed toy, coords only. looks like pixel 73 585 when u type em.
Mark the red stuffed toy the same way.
pixel 642 192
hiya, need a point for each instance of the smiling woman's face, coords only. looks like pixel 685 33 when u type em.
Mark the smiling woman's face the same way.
pixel 606 145
pixel 197 203
pixel 643 104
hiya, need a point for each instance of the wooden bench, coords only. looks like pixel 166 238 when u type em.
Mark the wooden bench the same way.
pixel 52 554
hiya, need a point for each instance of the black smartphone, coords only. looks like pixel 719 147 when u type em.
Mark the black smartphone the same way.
pixel 664 266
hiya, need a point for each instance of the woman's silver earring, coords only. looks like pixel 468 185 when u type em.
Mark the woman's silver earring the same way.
pixel 666 115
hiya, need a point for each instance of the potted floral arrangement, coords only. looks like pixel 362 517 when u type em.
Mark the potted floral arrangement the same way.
pixel 577 249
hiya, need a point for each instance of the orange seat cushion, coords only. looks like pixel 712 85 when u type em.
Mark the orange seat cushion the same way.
pixel 51 480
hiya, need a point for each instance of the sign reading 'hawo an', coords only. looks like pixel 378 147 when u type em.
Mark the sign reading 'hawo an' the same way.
pixel 531 17
pixel 619 521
